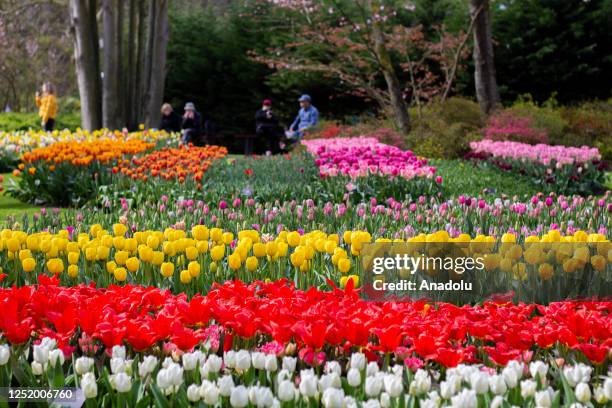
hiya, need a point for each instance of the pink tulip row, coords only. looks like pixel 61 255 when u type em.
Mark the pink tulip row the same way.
pixel 363 156
pixel 540 153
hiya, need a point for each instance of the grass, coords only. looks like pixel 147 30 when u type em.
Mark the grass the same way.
pixel 461 177
pixel 12 207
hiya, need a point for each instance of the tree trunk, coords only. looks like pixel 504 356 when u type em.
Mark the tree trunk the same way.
pixel 158 64
pixel 131 62
pixel 110 80
pixel 398 105
pixel 484 73
pixel 86 57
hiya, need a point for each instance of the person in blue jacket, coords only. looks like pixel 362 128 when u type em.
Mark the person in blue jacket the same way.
pixel 307 118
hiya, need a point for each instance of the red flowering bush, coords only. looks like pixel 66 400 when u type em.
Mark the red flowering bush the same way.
pixel 507 126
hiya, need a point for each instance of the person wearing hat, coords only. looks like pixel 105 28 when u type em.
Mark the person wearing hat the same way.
pixel 266 127
pixel 307 118
pixel 191 125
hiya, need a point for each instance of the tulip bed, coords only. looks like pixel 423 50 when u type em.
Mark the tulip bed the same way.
pixel 569 170
pixel 186 277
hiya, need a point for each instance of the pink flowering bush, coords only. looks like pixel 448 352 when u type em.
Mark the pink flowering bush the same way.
pixel 559 168
pixel 507 126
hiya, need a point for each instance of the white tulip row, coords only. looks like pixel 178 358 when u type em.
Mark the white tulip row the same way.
pixel 253 379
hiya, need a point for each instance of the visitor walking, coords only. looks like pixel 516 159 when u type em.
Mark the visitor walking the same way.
pixel 307 118
pixel 192 124
pixel 47 106
pixel 170 120
pixel 266 127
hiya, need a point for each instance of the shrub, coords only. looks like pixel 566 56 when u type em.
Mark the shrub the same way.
pixel 508 126
pixel 589 124
pixel 545 117
pixel 445 130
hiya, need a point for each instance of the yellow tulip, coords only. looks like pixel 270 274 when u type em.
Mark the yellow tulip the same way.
pixel 251 263
pixel 73 271
pixel 120 274
pixel 344 265
pixel 121 257
pixel 73 257
pixel 132 264
pixel 191 253
pixel 167 269
pixel 194 269
pixel 185 276
pixel 111 266
pixel 28 264
pixel 119 230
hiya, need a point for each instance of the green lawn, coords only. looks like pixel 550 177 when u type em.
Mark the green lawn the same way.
pixel 10 206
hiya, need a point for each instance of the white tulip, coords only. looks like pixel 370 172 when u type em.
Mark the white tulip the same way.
pixel 83 365
pixel 385 400
pixel 333 367
pixel 56 356
pixel 465 399
pixel 372 368
pixel 333 398
pixel 286 391
pixel 517 366
pixel 289 363
pixel 5 354
pixel 446 389
pixel 163 379
pixel 259 360
pixel 243 360
pixel 118 352
pixel 283 375
pixel 510 377
pixel 393 385
pixel 583 392
pixel 308 385
pixel 261 397
pixel 349 402
pixel 577 374
pixel 497 385
pixel 353 377
pixel 330 380
pixel 428 403
pixel 373 386
pixel 89 386
pixel 239 397
pixel 213 363
pixel 37 368
pixel 225 384
pixel 190 361
pixel 193 393
pixel 117 365
pixel 479 382
pixel 121 382
pixel 358 361
pixel 538 369
pixel 607 388
pixel 41 354
pixel 229 358
pixel 271 363
pixel 599 396
pixel 497 402
pixel 398 370
pixel 49 343
pixel 528 388
pixel 175 373
pixel 544 398
pixel 167 362
pixel 371 403
pixel 209 393
pixel 421 383
pixel 147 366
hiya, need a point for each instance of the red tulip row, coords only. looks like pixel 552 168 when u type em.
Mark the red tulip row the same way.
pixel 316 321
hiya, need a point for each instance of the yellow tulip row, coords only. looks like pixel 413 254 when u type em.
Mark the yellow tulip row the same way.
pixel 121 252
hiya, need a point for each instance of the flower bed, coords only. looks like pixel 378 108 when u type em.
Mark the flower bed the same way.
pixel 562 169
pixel 172 163
pixel 364 156
pixel 14 144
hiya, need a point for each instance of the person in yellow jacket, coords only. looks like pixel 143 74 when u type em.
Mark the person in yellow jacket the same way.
pixel 47 106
